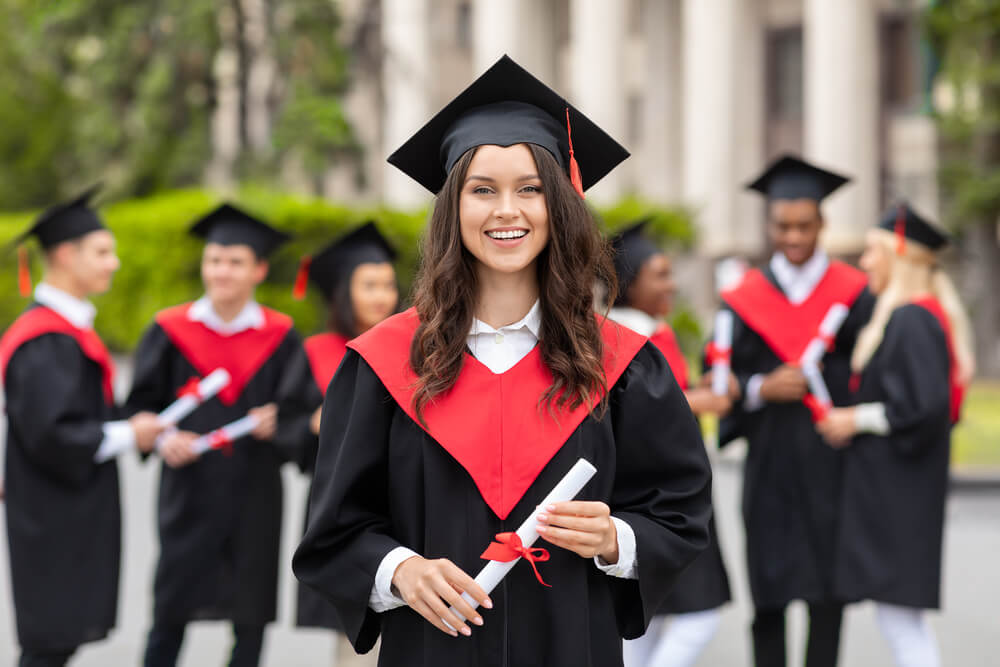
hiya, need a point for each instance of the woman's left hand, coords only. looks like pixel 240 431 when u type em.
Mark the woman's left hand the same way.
pixel 585 528
pixel 838 427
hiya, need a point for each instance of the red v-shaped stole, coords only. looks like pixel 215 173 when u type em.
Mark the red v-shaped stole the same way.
pixel 665 341
pixel 40 321
pixel 957 389
pixel 492 424
pixel 787 328
pixel 241 354
pixel 325 352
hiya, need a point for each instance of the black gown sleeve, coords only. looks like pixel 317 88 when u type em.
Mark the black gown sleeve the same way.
pixel 348 534
pixel 151 388
pixel 53 430
pixel 662 485
pixel 298 398
pixel 914 378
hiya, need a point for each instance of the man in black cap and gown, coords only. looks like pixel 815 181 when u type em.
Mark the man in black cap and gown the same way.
pixel 219 514
pixel 62 496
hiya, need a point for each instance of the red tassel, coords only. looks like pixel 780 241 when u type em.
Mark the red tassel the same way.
pixel 900 230
pixel 23 272
pixel 302 279
pixel 574 168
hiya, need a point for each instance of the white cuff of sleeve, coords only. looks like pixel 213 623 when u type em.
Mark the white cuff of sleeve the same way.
pixel 870 418
pixel 118 437
pixel 753 400
pixel 626 567
pixel 382 597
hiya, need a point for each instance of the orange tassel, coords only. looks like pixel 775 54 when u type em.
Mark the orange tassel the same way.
pixel 302 279
pixel 574 168
pixel 23 272
pixel 900 230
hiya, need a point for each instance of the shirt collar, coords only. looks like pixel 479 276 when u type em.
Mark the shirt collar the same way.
pixel 79 312
pixel 251 317
pixel 532 322
pixel 798 282
pixel 637 320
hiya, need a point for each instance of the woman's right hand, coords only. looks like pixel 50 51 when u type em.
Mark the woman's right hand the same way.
pixel 430 586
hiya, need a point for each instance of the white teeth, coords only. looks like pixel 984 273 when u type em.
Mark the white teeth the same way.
pixel 504 235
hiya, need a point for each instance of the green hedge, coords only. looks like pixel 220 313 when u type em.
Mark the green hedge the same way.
pixel 160 261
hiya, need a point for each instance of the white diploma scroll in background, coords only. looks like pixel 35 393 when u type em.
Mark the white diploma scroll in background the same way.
pixel 208 387
pixel 225 434
pixel 828 329
pixel 567 488
pixel 817 386
pixel 723 341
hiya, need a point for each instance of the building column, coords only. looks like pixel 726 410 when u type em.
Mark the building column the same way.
pixel 723 122
pixel 842 112
pixel 406 80
pixel 659 154
pixel 597 32
pixel 522 29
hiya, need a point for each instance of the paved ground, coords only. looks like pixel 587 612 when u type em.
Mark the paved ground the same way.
pixel 968 629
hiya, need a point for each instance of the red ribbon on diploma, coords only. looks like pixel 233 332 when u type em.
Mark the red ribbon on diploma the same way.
pixel 219 440
pixel 508 546
pixel 715 353
pixel 190 388
pixel 818 409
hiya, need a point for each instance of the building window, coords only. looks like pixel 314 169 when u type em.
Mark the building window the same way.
pixel 901 63
pixel 463 25
pixel 784 76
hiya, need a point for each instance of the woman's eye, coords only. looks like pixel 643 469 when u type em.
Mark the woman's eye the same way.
pixel 482 190
pixel 531 189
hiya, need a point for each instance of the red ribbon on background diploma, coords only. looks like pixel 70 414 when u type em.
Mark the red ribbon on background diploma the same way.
pixel 219 440
pixel 714 353
pixel 818 409
pixel 192 389
pixel 508 547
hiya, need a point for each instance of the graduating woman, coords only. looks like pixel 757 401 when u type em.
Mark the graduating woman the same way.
pixel 645 296
pixel 447 425
pixel 358 282
pixel 914 359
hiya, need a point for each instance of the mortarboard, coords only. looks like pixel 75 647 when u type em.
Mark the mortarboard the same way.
pixel 906 223
pixel 228 225
pixel 789 177
pixel 632 248
pixel 337 261
pixel 503 107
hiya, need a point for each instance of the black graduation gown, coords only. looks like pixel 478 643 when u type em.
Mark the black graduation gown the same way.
pixel 893 505
pixel 791 477
pixel 63 512
pixel 219 519
pixel 300 395
pixel 381 481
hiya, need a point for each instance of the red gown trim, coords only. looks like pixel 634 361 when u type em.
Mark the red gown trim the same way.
pixel 493 425
pixel 241 354
pixel 40 321
pixel 933 306
pixel 666 342
pixel 325 352
pixel 787 328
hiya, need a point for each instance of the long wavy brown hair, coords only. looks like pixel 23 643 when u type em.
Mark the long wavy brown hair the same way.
pixel 446 290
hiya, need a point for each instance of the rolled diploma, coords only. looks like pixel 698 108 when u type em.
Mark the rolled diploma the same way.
pixel 566 489
pixel 828 329
pixel 209 386
pixel 817 386
pixel 232 431
pixel 723 342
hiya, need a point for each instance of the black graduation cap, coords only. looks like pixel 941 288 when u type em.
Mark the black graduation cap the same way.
pixel 337 261
pixel 65 222
pixel 632 248
pixel 790 177
pixel 60 223
pixel 906 223
pixel 229 225
pixel 503 107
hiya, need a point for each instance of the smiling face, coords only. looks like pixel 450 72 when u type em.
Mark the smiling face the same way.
pixel 653 289
pixel 89 262
pixel 794 228
pixel 374 294
pixel 876 261
pixel 502 210
pixel 231 272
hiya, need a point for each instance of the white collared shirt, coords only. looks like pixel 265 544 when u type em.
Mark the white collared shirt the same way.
pixel 797 282
pixel 118 435
pixel 250 317
pixel 637 320
pixel 500 350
